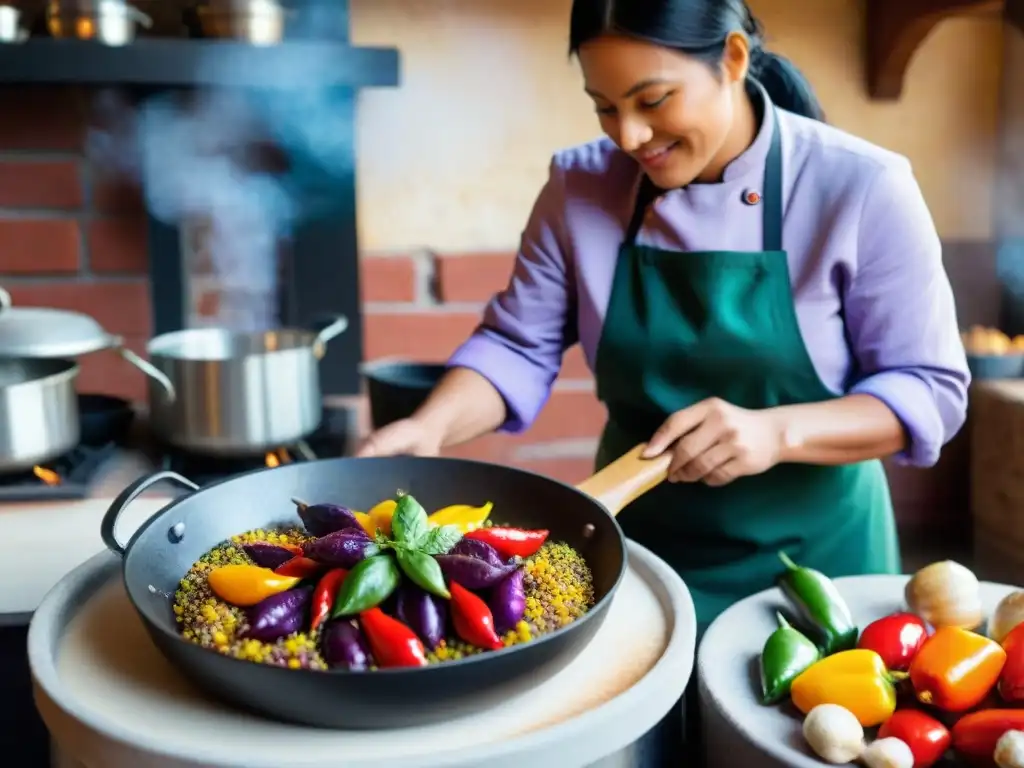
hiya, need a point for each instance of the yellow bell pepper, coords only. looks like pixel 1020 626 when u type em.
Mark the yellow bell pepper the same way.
pixel 367 523
pixel 380 516
pixel 856 680
pixel 465 517
pixel 245 585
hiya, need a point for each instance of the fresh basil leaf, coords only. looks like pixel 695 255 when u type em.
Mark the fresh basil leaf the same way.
pixel 409 524
pixel 440 540
pixel 424 571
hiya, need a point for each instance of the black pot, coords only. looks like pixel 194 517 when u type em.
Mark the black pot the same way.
pixel 398 387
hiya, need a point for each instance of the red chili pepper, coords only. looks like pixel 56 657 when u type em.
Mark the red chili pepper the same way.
pixel 1011 680
pixel 295 549
pixel 510 542
pixel 975 735
pixel 302 567
pixel 472 619
pixel 896 638
pixel 324 594
pixel 392 643
pixel 927 738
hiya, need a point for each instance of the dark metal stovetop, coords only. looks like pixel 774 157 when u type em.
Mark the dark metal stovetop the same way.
pixel 331 439
pixel 68 477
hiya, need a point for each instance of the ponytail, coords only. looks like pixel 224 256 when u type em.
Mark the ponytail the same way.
pixel 785 84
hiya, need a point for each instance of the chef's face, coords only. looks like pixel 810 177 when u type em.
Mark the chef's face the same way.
pixel 672 112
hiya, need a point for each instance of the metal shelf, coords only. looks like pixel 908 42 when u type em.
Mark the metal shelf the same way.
pixel 190 62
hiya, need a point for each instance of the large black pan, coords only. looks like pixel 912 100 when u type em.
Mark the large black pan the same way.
pixel 166 546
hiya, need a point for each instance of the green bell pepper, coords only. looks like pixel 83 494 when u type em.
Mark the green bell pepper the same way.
pixel 786 654
pixel 820 605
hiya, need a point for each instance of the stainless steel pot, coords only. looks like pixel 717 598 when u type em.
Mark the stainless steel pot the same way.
pixel 231 393
pixel 41 332
pixel 259 22
pixel 38 411
pixel 111 22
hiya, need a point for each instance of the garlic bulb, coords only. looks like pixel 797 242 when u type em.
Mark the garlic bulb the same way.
pixel 1010 750
pixel 946 594
pixel 834 733
pixel 889 752
pixel 1008 614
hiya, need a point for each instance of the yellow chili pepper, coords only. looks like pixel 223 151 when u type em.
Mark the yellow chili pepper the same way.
pixel 856 680
pixel 245 585
pixel 380 516
pixel 464 516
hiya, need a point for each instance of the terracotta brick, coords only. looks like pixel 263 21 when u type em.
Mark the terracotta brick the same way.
pixel 109 374
pixel 121 307
pixel 39 246
pixel 424 336
pixel 42 184
pixel 569 414
pixel 574 364
pixel 112 194
pixel 387 278
pixel 42 117
pixel 119 245
pixel 472 276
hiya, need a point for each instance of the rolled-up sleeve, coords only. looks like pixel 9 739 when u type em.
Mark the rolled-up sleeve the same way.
pixel 527 327
pixel 901 317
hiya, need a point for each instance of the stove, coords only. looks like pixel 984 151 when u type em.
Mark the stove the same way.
pixel 68 477
pixel 332 438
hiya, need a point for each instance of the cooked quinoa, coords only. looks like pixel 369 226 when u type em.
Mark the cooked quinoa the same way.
pixel 558 585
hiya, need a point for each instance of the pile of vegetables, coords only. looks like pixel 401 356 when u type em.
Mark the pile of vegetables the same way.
pixel 932 682
pixel 381 587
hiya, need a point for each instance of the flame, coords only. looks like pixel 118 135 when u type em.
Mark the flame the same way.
pixel 48 476
pixel 277 458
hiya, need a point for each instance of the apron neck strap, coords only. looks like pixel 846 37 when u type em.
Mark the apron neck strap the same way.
pixel 771 207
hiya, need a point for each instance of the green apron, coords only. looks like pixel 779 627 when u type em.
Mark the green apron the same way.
pixel 685 326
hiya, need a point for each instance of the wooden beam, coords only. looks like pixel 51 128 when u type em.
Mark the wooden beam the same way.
pixel 895 30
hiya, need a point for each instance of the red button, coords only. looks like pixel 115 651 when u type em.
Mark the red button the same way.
pixel 750 197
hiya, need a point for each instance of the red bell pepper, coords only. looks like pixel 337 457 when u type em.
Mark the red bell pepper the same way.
pixel 301 567
pixel 392 643
pixel 324 594
pixel 927 738
pixel 1011 681
pixel 472 619
pixel 896 638
pixel 511 542
pixel 975 735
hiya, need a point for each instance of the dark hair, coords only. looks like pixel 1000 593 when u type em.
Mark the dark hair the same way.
pixel 697 28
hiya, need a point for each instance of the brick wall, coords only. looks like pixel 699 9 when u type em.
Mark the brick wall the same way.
pixel 71 238
pixel 422 305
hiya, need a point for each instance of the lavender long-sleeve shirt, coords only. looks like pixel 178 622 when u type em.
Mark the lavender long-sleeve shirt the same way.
pixel 873 301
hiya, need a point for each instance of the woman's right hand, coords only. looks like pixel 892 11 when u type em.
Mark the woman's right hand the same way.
pixel 407 437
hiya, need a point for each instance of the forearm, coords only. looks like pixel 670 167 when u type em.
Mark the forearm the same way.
pixel 463 405
pixel 841 431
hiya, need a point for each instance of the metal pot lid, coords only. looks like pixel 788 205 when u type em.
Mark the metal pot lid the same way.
pixel 44 332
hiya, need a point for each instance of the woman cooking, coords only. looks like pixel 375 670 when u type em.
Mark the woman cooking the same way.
pixel 757 293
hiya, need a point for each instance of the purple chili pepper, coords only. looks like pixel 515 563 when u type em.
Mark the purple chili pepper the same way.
pixel 341 549
pixel 279 615
pixel 267 555
pixel 481 550
pixel 473 573
pixel 423 613
pixel 508 602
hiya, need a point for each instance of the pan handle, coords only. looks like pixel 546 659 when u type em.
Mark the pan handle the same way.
pixel 127 496
pixel 627 478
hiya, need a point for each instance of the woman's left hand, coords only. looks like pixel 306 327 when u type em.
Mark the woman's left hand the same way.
pixel 715 442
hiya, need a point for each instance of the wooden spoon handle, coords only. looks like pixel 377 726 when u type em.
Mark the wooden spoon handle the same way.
pixel 626 479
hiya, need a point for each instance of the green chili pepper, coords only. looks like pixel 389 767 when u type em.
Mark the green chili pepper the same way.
pixel 424 571
pixel 820 604
pixel 785 655
pixel 368 585
pixel 409 524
